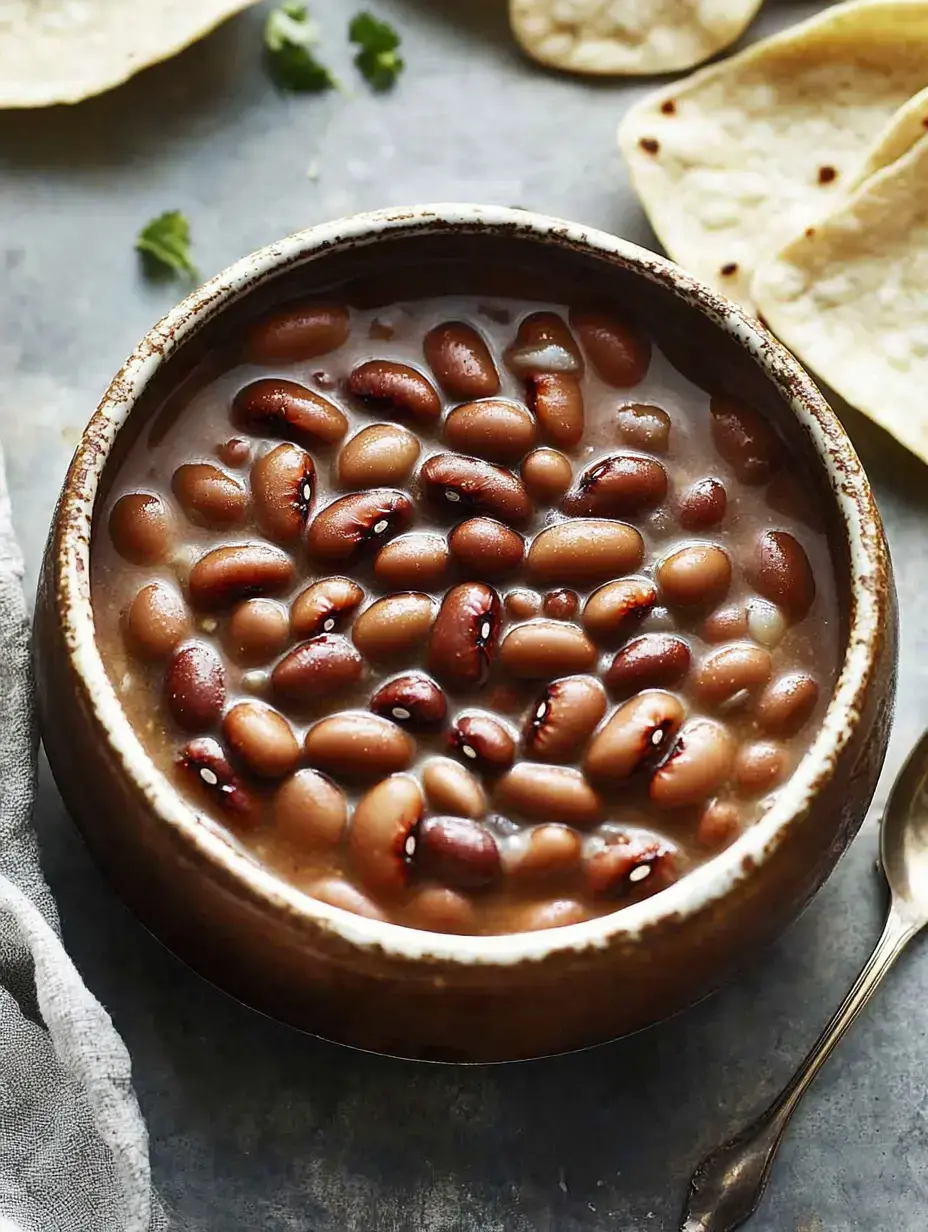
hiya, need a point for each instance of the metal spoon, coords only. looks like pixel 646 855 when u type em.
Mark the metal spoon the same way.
pixel 728 1185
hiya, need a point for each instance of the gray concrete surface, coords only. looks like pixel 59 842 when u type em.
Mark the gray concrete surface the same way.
pixel 252 1125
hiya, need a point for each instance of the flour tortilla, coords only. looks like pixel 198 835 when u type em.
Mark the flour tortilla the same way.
pixel 60 51
pixel 739 158
pixel 628 36
pixel 850 297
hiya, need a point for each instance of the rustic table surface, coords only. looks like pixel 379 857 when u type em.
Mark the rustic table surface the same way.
pixel 253 1125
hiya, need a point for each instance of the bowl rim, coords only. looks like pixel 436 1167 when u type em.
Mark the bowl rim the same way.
pixel 206 840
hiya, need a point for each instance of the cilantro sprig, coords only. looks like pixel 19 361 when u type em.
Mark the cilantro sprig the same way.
pixel 164 245
pixel 377 59
pixel 290 36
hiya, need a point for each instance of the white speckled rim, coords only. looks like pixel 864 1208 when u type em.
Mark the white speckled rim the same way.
pixel 699 887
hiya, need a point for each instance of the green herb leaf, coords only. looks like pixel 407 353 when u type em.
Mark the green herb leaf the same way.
pixel 289 36
pixel 165 247
pixel 377 59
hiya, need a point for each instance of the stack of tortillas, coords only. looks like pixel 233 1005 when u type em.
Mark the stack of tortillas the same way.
pixel 794 178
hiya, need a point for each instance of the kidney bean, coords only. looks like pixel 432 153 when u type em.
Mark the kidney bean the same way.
pixel 440 910
pixel 414 561
pixel 560 912
pixel 547 474
pixel 483 741
pixel 719 824
pixel 760 766
pixel 234 452
pixel 616 487
pixel 156 622
pixel 544 648
pixel 787 704
pixel 208 496
pixel 412 700
pixel 458 851
pixel 394 625
pixel 461 361
pixel 561 604
pixel 556 400
pixel 548 851
pixel 395 389
pixel 301 331
pixel 695 576
pixel 261 738
pixel 744 439
pixel 451 788
pixel 549 793
pixel 460 485
pixel 699 762
pixel 256 631
pixel 643 427
pixel 141 528
pixel 583 552
pixel 652 661
pixel 485 547
pixel 342 531
pixel 702 505
pixel 282 485
pixel 384 834
pixel 310 811
pixel 725 624
pixel 564 717
pixel 780 571
pixel 359 745
pixel 275 407
pixel 618 350
pixel 465 634
pixel 630 865
pixel 543 344
pixel 323 606
pixel 730 671
pixel 496 430
pixel 204 762
pixel 634 737
pixel 382 455
pixel 613 608
pixel 522 604
pixel 195 687
pixel 338 893
pixel 238 571
pixel 323 665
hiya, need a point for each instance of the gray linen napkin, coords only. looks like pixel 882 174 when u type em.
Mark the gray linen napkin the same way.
pixel 73 1146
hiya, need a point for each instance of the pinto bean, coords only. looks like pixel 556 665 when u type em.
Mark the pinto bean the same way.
pixel 261 738
pixel 699 762
pixel 461 361
pixel 496 430
pixel 541 649
pixel 760 766
pixel 203 762
pixel 618 350
pixel 380 456
pixel 208 496
pixel 767 625
pixel 413 562
pixel 323 606
pixel 394 625
pixel 310 811
pixel 459 485
pixel 543 344
pixel 547 474
pixel 141 528
pixel 522 604
pixel 256 631
pixel 438 909
pixel 238 571
pixel 358 745
pixel 618 486
pixel 643 427
pixel 300 331
pixel 549 851
pixel 702 505
pixel 451 788
pixel 457 851
pixel 725 624
pixel 549 793
pixel 465 634
pixel 156 622
pixel 780 571
pixel 630 866
pixel 234 452
pixel 787 704
pixel 485 547
pixel 695 576
pixel 323 665
pixel 351 525
pixel 558 913
pixel 556 400
pixel 383 836
pixel 730 671
pixel 395 389
pixel 195 687
pixel 652 661
pixel 561 604
pixel 719 824
pixel 275 407
pixel 612 609
pixel 745 440
pixel 634 737
pixel 283 485
pixel 484 741
pixel 564 717
pixel 339 893
pixel 583 552
pixel 412 700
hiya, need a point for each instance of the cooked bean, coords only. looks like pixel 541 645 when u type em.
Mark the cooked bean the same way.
pixel 564 717
pixel 465 634
pixel 257 630
pixel 381 456
pixel 383 836
pixel 323 606
pixel 440 910
pixel 342 531
pixel 628 865
pixel 725 624
pixel 614 608
pixel 744 439
pixel 547 474
pixel 275 407
pixel 560 912
pixel 760 766
pixel 394 625
pixel 549 793
pixel 695 576
pixel 780 571
pixel 643 427
pixel 208 496
pixel 697 766
pixel 652 661
pixel 195 687
pixel 787 704
pixel 634 737
pixel 556 400
pixel 461 361
pixel 141 528
pixel 283 485
pixel 459 485
pixel 523 604
pixel 234 452
pixel 301 331
pixel 323 665
pixel 730 671
pixel 339 893
pixel 485 547
pixel 412 700
pixel 616 487
pixel 543 344
pixel 702 505
pixel 483 741
pixel 395 389
pixel 541 649
pixel 561 604
pixel 262 738
pixel 766 623
pixel 496 430
pixel 204 762
pixel 414 561
pixel 618 350
pixel 457 851
pixel 310 811
pixel 451 788
pixel 549 850
pixel 583 552
pixel 238 571
pixel 719 824
pixel 156 622
pixel 359 745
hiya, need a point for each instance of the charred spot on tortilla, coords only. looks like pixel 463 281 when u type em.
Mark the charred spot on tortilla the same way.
pixel 729 270
pixel 826 175
pixel 650 145
pixel 668 106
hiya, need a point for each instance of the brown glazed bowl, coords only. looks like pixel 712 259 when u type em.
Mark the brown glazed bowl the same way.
pixel 426 995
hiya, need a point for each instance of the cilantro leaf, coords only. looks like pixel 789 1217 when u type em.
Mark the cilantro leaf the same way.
pixel 164 244
pixel 289 36
pixel 377 60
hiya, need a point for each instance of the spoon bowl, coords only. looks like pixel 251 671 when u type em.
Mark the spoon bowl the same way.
pixel 904 837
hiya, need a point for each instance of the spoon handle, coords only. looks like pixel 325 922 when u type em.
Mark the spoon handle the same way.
pixel 727 1186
